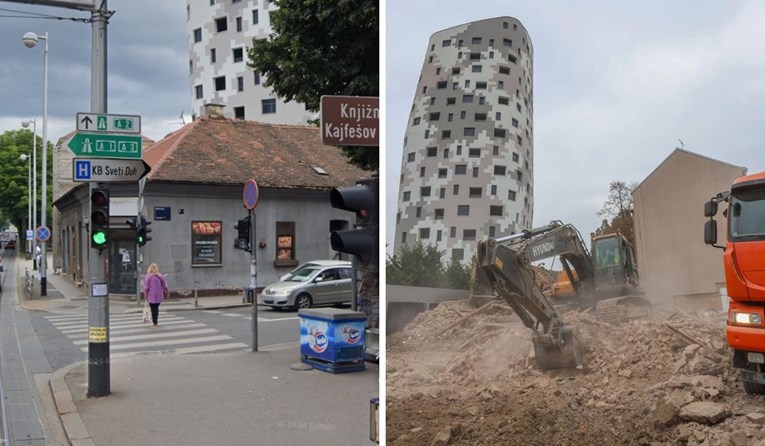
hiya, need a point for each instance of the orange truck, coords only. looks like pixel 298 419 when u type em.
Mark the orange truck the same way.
pixel 744 262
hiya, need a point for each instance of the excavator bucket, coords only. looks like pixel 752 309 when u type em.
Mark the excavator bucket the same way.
pixel 568 353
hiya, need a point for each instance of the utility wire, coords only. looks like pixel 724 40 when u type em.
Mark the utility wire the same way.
pixel 36 15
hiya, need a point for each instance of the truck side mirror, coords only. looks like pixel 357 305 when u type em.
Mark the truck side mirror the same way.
pixel 710 232
pixel 710 208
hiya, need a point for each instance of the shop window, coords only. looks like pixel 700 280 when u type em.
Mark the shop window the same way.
pixel 285 243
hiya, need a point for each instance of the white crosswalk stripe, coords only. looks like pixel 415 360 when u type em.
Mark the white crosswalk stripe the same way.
pixel 129 335
pixel 249 317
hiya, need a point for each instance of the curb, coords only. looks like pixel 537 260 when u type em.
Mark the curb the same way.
pixel 74 427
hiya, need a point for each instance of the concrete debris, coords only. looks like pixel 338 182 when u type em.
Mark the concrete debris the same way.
pixel 646 382
pixel 705 412
pixel 756 418
pixel 442 438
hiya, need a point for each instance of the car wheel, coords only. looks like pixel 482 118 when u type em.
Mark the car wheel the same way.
pixel 303 301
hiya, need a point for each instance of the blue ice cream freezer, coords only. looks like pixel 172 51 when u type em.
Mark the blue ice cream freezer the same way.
pixel 332 339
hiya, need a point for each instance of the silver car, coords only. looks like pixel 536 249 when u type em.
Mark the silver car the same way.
pixel 309 286
pixel 315 263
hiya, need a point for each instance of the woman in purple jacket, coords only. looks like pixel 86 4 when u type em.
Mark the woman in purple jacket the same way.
pixel 155 289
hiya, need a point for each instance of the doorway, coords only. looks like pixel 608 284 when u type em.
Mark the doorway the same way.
pixel 122 262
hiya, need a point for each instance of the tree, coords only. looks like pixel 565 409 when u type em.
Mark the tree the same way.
pixel 14 176
pixel 417 264
pixel 619 208
pixel 321 47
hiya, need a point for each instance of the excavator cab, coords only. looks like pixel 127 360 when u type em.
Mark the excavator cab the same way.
pixel 616 275
pixel 614 263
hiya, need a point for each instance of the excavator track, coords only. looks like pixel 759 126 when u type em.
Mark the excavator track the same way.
pixel 622 309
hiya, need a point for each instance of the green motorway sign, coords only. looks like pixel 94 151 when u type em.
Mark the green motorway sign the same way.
pixel 90 145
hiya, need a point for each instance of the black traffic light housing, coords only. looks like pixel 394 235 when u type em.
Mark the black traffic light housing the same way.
pixel 242 240
pixel 99 218
pixel 362 242
pixel 142 230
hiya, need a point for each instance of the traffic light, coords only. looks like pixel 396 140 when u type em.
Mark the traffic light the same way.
pixel 242 240
pixel 142 230
pixel 99 218
pixel 361 199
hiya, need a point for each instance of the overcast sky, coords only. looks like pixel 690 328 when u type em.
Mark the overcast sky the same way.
pixel 147 66
pixel 616 85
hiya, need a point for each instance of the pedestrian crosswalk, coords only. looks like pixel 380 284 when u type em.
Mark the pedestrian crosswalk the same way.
pixel 129 335
pixel 249 318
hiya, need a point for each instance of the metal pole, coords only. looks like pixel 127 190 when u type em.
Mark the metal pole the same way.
pixel 29 201
pixel 354 284
pixel 43 267
pixel 254 281
pixel 98 306
pixel 34 190
pixel 138 259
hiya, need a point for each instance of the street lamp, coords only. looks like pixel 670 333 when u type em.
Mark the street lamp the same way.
pixel 30 40
pixel 28 159
pixel 33 220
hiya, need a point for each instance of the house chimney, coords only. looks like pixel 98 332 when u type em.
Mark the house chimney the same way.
pixel 214 111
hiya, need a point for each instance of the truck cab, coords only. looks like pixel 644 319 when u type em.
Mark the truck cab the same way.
pixel 744 263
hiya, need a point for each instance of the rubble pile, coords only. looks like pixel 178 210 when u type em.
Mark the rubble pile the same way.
pixel 464 376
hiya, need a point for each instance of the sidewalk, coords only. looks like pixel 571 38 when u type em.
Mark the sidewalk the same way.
pixel 254 398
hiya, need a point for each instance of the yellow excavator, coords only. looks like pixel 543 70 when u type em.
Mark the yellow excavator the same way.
pixel 606 279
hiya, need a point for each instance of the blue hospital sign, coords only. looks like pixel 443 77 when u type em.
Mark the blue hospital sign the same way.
pixel 82 170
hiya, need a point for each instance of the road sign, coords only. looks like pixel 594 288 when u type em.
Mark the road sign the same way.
pixel 30 234
pixel 100 122
pixel 109 170
pixel 350 120
pixel 42 233
pixel 106 145
pixel 250 194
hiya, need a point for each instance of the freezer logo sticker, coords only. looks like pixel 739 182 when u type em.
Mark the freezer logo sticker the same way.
pixel 351 335
pixel 317 340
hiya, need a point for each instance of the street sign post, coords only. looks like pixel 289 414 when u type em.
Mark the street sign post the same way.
pixel 109 170
pixel 106 145
pixel 250 196
pixel 350 120
pixel 42 233
pixel 101 122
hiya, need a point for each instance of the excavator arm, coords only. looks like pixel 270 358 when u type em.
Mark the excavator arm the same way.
pixel 505 266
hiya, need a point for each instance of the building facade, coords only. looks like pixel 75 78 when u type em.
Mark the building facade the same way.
pixel 194 197
pixel 677 270
pixel 467 167
pixel 219 34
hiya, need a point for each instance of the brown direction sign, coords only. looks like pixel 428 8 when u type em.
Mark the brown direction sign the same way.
pixel 350 120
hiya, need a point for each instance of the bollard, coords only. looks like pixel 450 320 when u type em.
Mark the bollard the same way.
pixel 196 301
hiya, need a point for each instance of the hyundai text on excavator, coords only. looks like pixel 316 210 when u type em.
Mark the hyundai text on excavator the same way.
pixel 607 280
pixel 744 262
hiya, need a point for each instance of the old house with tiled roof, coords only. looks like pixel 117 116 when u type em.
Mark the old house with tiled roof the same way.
pixel 194 197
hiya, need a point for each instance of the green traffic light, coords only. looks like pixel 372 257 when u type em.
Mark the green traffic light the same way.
pixel 140 239
pixel 99 238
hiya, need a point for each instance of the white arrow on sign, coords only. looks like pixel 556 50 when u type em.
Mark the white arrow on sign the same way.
pixel 106 123
pixel 109 170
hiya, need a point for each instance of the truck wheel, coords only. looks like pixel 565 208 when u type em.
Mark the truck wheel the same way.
pixel 754 388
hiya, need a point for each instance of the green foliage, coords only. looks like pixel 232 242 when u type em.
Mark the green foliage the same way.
pixel 417 264
pixel 321 47
pixel 457 275
pixel 15 180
